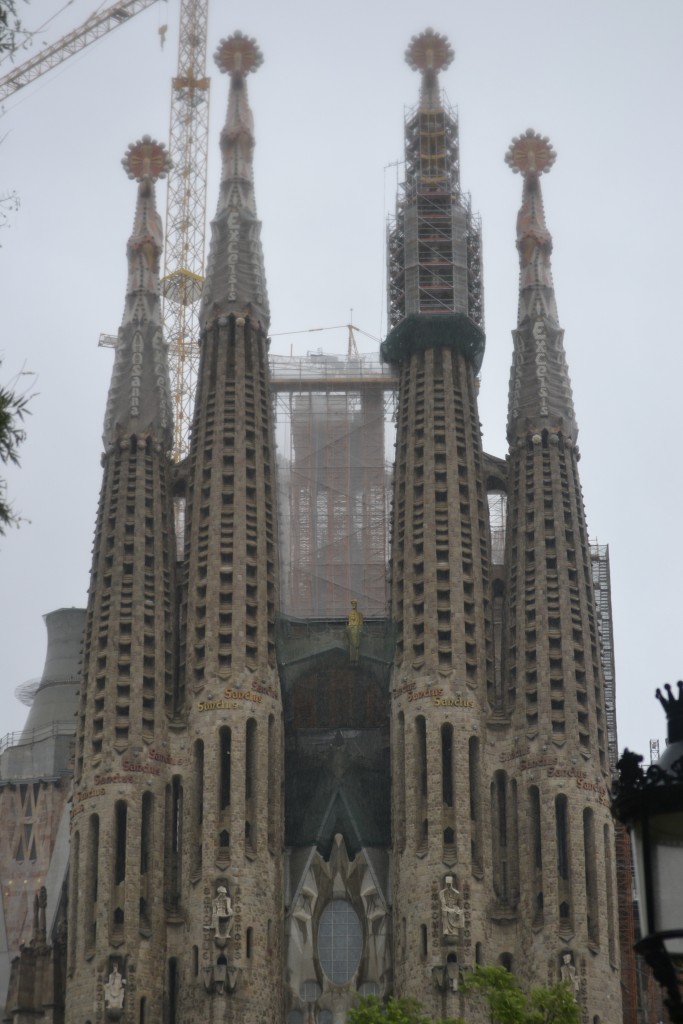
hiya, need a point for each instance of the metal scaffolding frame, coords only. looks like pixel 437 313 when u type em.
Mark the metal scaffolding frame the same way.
pixel 603 605
pixel 332 416
pixel 434 239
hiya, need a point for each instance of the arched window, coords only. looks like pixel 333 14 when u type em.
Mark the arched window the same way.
pixel 120 829
pixel 340 941
pixel 591 869
pixel 224 750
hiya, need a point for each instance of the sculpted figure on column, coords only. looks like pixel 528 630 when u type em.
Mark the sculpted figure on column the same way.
pixel 354 628
pixel 450 909
pixel 222 914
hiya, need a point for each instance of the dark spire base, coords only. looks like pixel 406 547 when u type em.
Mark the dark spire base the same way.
pixel 421 331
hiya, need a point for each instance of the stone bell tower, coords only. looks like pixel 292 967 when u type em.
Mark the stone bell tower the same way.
pixel 116 924
pixel 554 697
pixel 440 571
pixel 228 866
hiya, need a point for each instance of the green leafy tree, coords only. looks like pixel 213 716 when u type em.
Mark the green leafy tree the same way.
pixel 370 1010
pixel 499 992
pixel 489 992
pixel 13 411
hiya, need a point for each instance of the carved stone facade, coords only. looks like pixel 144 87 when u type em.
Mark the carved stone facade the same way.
pixel 271 815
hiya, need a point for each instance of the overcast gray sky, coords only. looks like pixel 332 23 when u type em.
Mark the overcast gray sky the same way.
pixel 602 78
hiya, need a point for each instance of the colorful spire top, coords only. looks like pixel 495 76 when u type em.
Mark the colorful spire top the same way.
pixel 429 53
pixel 146 158
pixel 238 55
pixel 540 390
pixel 138 401
pixel 532 155
pixel 235 280
pixel 145 162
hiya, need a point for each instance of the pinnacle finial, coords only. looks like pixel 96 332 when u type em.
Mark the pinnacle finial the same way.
pixel 146 158
pixel 235 278
pixel 429 52
pixel 238 55
pixel 530 154
pixel 673 706
pixel 138 401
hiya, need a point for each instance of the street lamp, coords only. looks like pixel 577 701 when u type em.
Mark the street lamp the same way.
pixel 650 804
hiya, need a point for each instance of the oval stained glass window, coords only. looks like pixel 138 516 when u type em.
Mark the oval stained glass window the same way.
pixel 340 941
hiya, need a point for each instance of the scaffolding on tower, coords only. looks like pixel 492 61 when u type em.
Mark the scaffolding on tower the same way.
pixel 333 417
pixel 603 603
pixel 427 269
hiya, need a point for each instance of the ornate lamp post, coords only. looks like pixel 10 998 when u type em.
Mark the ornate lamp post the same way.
pixel 650 804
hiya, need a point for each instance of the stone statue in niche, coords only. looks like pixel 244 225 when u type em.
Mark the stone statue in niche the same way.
pixel 569 973
pixel 221 916
pixel 449 898
pixel 114 991
pixel 354 628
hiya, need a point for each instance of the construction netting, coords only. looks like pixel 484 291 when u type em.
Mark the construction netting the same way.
pixel 333 417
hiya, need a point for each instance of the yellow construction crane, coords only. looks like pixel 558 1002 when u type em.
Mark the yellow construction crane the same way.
pixel 186 197
pixel 186 215
pixel 96 26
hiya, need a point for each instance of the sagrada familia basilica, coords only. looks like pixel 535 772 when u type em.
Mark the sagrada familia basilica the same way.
pixel 275 800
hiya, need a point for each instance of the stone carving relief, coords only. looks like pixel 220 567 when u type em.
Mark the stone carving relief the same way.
pixel 300 953
pixel 221 916
pixel 220 975
pixel 446 976
pixel 361 883
pixel 378 962
pixel 569 973
pixel 114 992
pixel 449 899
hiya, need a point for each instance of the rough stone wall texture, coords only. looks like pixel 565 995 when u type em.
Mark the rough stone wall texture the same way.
pixel 440 583
pixel 555 699
pixel 30 811
pixel 499 781
pixel 231 688
pixel 118 817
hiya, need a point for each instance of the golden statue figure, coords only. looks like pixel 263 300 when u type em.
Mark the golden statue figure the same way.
pixel 354 628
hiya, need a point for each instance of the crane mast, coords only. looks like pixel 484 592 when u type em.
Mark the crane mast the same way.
pixel 183 279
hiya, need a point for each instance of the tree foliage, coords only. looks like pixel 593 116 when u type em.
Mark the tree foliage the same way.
pixel 13 411
pixel 488 991
pixel 10 27
pixel 499 992
pixel 370 1010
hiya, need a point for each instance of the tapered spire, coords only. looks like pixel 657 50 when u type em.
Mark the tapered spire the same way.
pixel 540 390
pixel 139 401
pixel 434 252
pixel 235 278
